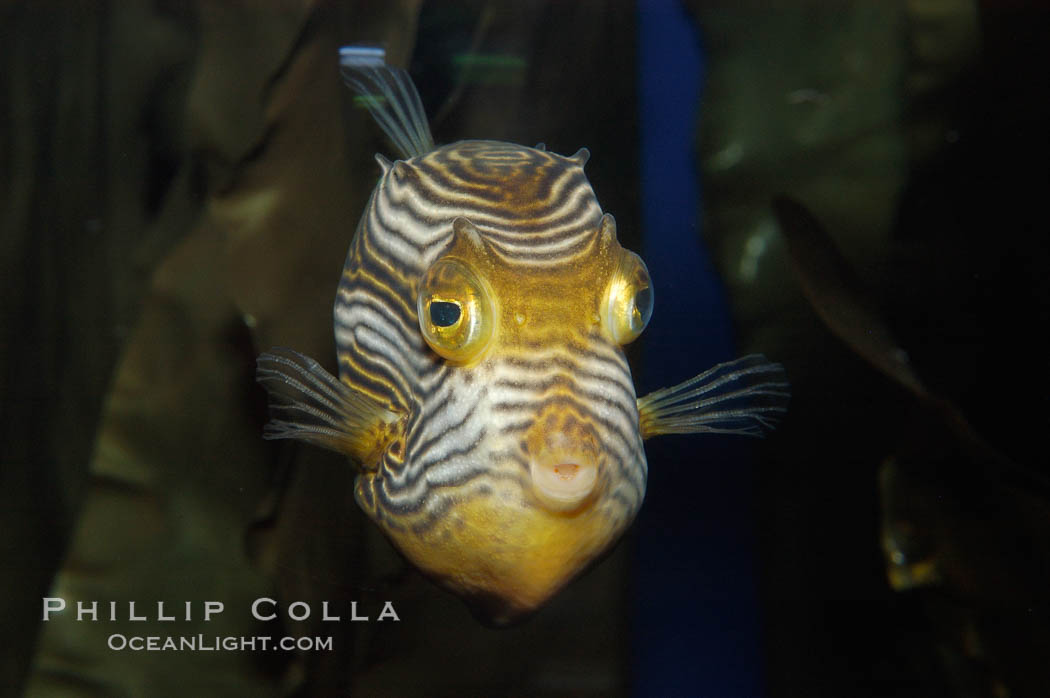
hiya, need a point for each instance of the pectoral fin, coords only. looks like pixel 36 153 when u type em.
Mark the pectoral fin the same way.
pixel 744 396
pixel 310 404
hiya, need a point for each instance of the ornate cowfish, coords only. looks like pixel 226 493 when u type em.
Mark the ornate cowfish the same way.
pixel 483 391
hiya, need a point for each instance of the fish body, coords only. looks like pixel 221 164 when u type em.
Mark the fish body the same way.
pixel 534 438
pixel 483 390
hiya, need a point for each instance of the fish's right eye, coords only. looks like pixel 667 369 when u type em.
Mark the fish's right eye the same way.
pixel 455 311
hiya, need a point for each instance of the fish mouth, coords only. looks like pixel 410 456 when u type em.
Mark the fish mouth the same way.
pixel 564 484
pixel 563 458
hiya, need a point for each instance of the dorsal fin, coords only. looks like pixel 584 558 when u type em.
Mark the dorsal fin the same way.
pixel 390 96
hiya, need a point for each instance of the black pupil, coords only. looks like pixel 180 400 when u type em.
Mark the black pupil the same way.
pixel 642 299
pixel 444 313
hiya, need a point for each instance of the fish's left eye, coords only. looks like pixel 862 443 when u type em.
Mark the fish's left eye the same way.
pixel 455 311
pixel 629 300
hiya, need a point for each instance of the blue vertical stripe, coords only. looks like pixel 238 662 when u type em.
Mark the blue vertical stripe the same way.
pixel 696 626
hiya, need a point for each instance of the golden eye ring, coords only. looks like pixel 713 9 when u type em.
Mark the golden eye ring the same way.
pixel 629 300
pixel 455 311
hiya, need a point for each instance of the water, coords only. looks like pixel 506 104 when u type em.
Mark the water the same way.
pixel 181 184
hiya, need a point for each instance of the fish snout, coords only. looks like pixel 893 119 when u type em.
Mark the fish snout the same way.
pixel 564 469
pixel 564 486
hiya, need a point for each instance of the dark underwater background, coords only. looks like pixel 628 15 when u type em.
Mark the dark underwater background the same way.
pixel 180 182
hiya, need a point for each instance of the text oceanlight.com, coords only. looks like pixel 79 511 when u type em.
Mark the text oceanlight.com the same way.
pixel 216 643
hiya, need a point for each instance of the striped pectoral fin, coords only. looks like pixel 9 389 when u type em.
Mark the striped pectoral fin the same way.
pixel 310 404
pixel 744 396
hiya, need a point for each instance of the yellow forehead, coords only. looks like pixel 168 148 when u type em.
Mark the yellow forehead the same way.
pixel 539 303
pixel 535 301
